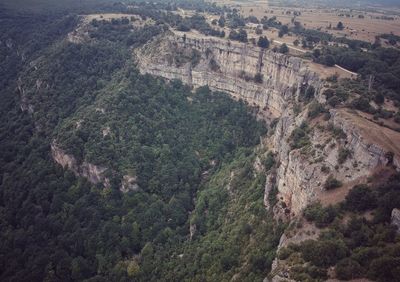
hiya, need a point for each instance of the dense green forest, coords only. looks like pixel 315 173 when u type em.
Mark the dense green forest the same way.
pixel 182 146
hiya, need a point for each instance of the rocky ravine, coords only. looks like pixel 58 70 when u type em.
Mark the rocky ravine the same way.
pixel 301 173
pixel 230 67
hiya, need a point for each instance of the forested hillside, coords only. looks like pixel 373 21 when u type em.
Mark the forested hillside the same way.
pixel 113 169
pixel 180 145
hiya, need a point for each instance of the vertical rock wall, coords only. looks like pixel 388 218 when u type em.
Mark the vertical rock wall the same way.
pixel 230 67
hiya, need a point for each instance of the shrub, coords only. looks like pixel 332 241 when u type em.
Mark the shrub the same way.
pixel 307 92
pixel 283 30
pixel 269 161
pixel 317 273
pixel 379 98
pixel 258 78
pixel 323 253
pixel 365 255
pixel 195 58
pixel 329 93
pixel 221 21
pixel 361 104
pixel 348 269
pixel 263 42
pixel 334 101
pixel 329 60
pixel 337 131
pixel 183 27
pixel 360 198
pixel 320 215
pixel 332 78
pixel 239 36
pixel 284 49
pixel 315 109
pixel 228 261
pixel 316 53
pixel 342 94
pixel 258 262
pixel 285 253
pixel 272 196
pixel 385 269
pixel 343 155
pixel 325 169
pixel 300 137
pixel 332 183
pixel 214 65
pixel 397 117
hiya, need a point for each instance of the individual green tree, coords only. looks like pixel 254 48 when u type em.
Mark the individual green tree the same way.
pixel 258 78
pixel 284 49
pixel 133 268
pixel 221 21
pixel 284 29
pixel 360 198
pixel 263 42
pixel 316 53
pixel 329 60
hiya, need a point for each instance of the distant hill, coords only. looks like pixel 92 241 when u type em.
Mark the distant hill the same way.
pixel 49 5
pixel 335 3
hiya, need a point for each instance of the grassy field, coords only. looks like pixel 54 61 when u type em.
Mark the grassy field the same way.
pixel 359 24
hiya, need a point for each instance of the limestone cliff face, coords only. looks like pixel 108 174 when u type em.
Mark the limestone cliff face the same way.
pixel 93 173
pixel 228 66
pixel 300 176
pixel 372 144
pixel 231 67
pixel 302 173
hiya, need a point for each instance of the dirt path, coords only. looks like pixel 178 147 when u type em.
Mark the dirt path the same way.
pixel 346 70
pixel 290 46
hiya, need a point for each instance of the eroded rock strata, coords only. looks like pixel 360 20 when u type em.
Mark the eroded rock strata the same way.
pixel 232 67
pixel 260 77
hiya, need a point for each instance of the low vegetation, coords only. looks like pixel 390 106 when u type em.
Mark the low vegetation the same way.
pixel 332 183
pixel 358 247
pixel 299 137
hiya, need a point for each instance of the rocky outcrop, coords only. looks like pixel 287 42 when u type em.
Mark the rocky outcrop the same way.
pixel 93 173
pixel 395 219
pixel 261 77
pixel 280 270
pixel 371 144
pixel 129 183
pixel 300 177
pixel 24 103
